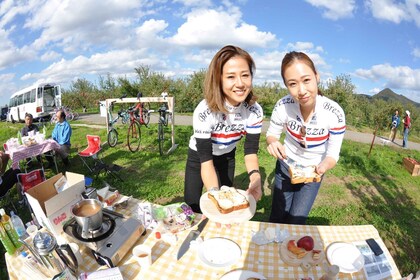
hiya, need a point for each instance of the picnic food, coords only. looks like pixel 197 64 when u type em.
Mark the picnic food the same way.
pixel 303 174
pixel 293 255
pixel 299 252
pixel 228 199
pixel 306 243
pixel 316 254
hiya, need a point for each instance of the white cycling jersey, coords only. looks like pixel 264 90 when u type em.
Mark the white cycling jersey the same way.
pixel 225 130
pixel 324 131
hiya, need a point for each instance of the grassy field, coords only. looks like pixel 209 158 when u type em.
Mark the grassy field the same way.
pixel 359 190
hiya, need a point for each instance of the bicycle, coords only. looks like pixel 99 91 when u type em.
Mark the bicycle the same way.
pixel 112 136
pixel 134 133
pixel 142 113
pixel 165 116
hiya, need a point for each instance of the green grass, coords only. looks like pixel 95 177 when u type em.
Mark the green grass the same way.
pixel 359 190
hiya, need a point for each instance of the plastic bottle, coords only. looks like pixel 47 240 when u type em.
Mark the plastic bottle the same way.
pixel 8 226
pixel 5 240
pixel 19 137
pixel 18 225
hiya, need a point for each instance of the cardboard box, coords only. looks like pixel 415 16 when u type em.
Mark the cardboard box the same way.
pixel 412 165
pixel 53 209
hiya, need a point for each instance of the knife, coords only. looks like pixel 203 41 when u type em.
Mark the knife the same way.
pixel 190 237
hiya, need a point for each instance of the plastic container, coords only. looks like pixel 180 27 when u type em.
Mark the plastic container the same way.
pixel 8 226
pixel 18 225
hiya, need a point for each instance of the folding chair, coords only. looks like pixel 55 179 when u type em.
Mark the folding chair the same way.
pixel 91 154
pixel 29 180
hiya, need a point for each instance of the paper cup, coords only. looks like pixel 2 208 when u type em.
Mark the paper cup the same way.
pixel 76 251
pixel 32 230
pixel 143 255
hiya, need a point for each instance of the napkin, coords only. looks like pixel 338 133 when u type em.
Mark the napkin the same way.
pixel 269 235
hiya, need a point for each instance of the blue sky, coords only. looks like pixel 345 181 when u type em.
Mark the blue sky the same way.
pixel 375 42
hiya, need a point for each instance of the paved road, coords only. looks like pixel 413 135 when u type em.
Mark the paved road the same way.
pixel 96 119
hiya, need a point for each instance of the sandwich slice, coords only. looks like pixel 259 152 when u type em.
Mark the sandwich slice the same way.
pixel 228 199
pixel 303 174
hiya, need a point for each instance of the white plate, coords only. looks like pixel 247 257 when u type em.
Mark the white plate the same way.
pixel 219 252
pixel 242 275
pixel 210 210
pixel 346 256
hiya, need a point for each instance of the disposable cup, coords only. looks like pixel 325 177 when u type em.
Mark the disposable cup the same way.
pixel 32 230
pixel 143 254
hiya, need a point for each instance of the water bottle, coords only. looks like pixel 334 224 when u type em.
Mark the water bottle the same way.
pixel 19 137
pixel 18 225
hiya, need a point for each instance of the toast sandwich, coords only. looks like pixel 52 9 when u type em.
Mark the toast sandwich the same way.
pixel 228 199
pixel 303 174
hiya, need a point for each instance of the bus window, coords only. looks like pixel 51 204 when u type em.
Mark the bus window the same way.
pixel 20 99
pixel 26 97
pixel 33 92
pixel 39 93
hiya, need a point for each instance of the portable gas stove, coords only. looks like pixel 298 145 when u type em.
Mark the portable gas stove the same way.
pixel 111 242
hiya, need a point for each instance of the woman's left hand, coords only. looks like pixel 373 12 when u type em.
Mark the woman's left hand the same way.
pixel 325 165
pixel 320 169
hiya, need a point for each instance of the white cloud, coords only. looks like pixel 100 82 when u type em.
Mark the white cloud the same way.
pixel 50 56
pixel 396 12
pixel 387 10
pixel 213 29
pixel 401 77
pixel 374 90
pixel 194 3
pixel 87 23
pixel 6 86
pixel 122 62
pixel 335 9
pixel 416 52
pixel 413 8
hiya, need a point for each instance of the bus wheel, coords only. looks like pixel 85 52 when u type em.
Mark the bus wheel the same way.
pixel 12 119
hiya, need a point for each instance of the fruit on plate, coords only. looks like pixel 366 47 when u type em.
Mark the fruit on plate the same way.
pixel 306 243
pixel 299 252
pixel 316 254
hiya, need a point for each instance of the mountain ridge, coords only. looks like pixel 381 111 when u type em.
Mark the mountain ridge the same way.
pixel 389 95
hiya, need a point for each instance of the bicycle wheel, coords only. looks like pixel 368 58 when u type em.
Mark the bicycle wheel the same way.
pixel 164 138
pixel 145 113
pixel 75 116
pixel 112 137
pixel 133 136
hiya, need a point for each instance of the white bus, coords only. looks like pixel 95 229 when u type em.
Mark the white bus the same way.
pixel 38 100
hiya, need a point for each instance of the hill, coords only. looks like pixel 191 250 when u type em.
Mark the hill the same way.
pixel 388 95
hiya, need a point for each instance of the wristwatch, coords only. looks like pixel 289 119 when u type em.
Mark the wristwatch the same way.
pixel 252 172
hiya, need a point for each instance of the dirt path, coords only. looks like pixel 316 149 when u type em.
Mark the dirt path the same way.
pixel 99 122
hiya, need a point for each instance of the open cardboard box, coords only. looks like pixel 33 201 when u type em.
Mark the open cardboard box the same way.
pixel 53 209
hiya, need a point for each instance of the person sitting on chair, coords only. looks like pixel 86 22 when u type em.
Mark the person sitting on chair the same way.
pixel 61 134
pixel 29 126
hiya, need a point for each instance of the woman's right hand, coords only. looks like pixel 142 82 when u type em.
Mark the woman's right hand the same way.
pixel 277 150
